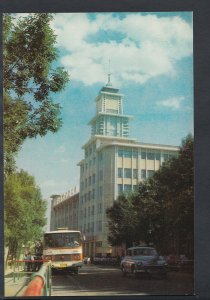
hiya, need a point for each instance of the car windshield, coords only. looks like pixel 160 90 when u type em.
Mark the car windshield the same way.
pixel 66 240
pixel 145 252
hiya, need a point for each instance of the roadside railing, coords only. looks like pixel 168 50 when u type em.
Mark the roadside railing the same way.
pixel 112 261
pixel 41 282
pixel 24 267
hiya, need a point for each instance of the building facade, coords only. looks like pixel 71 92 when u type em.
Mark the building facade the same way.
pixel 64 210
pixel 113 163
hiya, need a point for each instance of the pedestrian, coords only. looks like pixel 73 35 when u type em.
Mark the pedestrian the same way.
pixel 25 264
pixel 29 263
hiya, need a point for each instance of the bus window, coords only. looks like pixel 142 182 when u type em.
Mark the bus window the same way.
pixel 54 240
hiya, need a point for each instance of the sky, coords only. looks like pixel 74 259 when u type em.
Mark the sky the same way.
pixel 150 58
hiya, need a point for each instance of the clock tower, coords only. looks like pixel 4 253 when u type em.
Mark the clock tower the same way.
pixel 109 119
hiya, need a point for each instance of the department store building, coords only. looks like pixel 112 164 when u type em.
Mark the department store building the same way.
pixel 113 163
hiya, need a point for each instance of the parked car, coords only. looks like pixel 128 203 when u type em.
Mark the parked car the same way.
pixel 143 260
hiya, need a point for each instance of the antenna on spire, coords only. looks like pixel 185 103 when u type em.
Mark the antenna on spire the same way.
pixel 109 76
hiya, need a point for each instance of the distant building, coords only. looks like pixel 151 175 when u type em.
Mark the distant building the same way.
pixel 64 210
pixel 113 164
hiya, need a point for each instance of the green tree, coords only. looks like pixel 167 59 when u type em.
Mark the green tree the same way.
pixel 122 221
pixel 24 211
pixel 29 81
pixel 175 182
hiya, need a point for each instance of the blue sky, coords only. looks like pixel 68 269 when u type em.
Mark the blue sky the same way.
pixel 151 58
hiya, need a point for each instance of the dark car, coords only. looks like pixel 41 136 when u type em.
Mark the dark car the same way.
pixel 143 260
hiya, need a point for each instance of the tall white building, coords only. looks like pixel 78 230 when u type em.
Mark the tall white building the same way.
pixel 113 163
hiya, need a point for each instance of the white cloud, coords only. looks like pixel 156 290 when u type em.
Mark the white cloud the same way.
pixel 150 46
pixel 174 102
pixel 60 149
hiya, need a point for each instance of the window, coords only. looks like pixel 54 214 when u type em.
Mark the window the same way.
pixel 90 151
pixel 93 210
pixel 143 155
pixel 135 154
pixel 143 174
pixel 99 208
pixel 86 182
pixel 135 173
pixel 157 155
pixel 89 180
pixel 93 194
pixel 150 173
pixel 90 163
pixel 86 152
pixel 150 156
pixel 100 191
pixel 99 225
pixel 120 153
pixel 127 187
pixel 89 211
pixel 120 172
pixel 127 173
pixel 94 178
pixel 127 153
pixel 89 196
pixel 92 227
pixel 120 189
pixel 101 175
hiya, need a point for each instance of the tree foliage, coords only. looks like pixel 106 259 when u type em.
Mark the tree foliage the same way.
pixel 29 80
pixel 162 209
pixel 24 211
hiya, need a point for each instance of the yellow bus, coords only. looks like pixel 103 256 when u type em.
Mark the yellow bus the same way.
pixel 64 248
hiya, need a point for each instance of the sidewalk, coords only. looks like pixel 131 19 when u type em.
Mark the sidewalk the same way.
pixel 17 288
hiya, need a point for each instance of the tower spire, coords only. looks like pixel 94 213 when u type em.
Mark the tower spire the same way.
pixel 109 76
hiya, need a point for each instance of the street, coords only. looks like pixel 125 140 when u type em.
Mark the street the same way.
pixel 105 281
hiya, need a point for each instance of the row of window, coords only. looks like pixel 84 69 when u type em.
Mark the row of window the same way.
pixel 87 212
pixel 144 155
pixel 90 150
pixel 88 196
pixel 125 188
pixel 133 173
pixel 91 195
pixel 128 173
pixel 91 180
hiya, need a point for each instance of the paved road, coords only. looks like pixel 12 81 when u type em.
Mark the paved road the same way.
pixel 105 281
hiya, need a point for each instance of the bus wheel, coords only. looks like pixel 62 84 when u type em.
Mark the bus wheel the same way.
pixel 76 271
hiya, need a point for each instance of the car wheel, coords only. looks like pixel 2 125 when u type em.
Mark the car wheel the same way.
pixel 123 271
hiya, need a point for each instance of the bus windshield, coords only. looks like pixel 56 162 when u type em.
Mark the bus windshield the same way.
pixel 62 239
